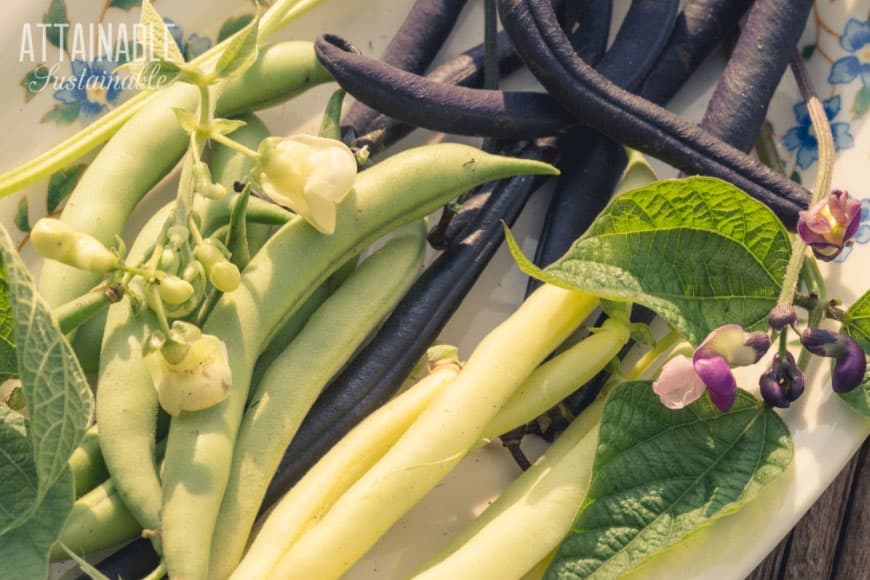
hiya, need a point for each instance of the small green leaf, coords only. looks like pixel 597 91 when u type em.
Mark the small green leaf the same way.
pixel 61 184
pixel 22 216
pixel 330 126
pixel 240 53
pixel 861 102
pixel 59 399
pixel 63 113
pixel 24 550
pixel 57 29
pixel 233 25
pixel 188 120
pixel 85 566
pixel 152 74
pixel 661 474
pixel 699 252
pixel 225 126
pixel 808 51
pixel 35 81
pixel 125 4
pixel 155 37
pixel 641 334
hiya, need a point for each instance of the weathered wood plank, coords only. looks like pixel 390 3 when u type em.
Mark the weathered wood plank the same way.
pixel 810 550
pixel 853 554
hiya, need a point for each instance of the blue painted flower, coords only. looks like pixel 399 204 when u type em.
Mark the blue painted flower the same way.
pixel 862 236
pixel 803 139
pixel 195 44
pixel 93 86
pixel 856 36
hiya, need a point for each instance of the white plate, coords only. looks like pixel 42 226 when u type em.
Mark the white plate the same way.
pixel 826 433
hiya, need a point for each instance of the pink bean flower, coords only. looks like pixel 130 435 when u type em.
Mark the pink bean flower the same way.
pixel 683 381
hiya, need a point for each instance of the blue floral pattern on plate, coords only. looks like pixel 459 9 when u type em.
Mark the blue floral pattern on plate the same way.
pixel 855 37
pixel 802 139
pixel 93 87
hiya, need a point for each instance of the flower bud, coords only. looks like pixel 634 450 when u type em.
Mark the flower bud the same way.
pixel 849 367
pixel 215 192
pixel 174 290
pixel 170 261
pixel 829 224
pixel 783 383
pixel 822 342
pixel 225 276
pixel 194 275
pixel 309 175
pixel 55 240
pixel 201 178
pixel 177 235
pixel 780 316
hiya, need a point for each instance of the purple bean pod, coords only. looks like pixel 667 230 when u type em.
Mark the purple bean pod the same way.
pixel 412 48
pixel 633 120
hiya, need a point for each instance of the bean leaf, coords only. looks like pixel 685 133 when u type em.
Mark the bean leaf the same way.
pixel 156 37
pixel 35 81
pixel 8 360
pixel 233 25
pixel 125 4
pixel 857 325
pixel 63 113
pixel 59 400
pixel 241 52
pixel 661 474
pixel 698 251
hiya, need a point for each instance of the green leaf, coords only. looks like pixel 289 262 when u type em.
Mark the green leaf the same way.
pixel 17 472
pixel 857 325
pixel 152 74
pixel 125 4
pixel 330 126
pixel 85 566
pixel 63 113
pixel 57 29
pixel 698 251
pixel 61 184
pixel 233 25
pixel 59 399
pixel 661 474
pixel 861 102
pixel 155 37
pixel 24 551
pixel 225 126
pixel 22 215
pixel 240 53
pixel 188 120
pixel 35 81
pixel 8 359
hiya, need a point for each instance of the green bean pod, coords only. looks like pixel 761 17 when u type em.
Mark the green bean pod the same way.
pixel 149 145
pixel 292 264
pixel 98 520
pixel 292 383
pixel 86 463
pixel 336 471
pixel 441 437
pixel 127 405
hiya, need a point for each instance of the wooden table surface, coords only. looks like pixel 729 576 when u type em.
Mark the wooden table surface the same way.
pixel 833 538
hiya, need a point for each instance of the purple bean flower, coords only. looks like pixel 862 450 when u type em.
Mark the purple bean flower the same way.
pixel 681 383
pixel 830 224
pixel 783 383
pixel 850 362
